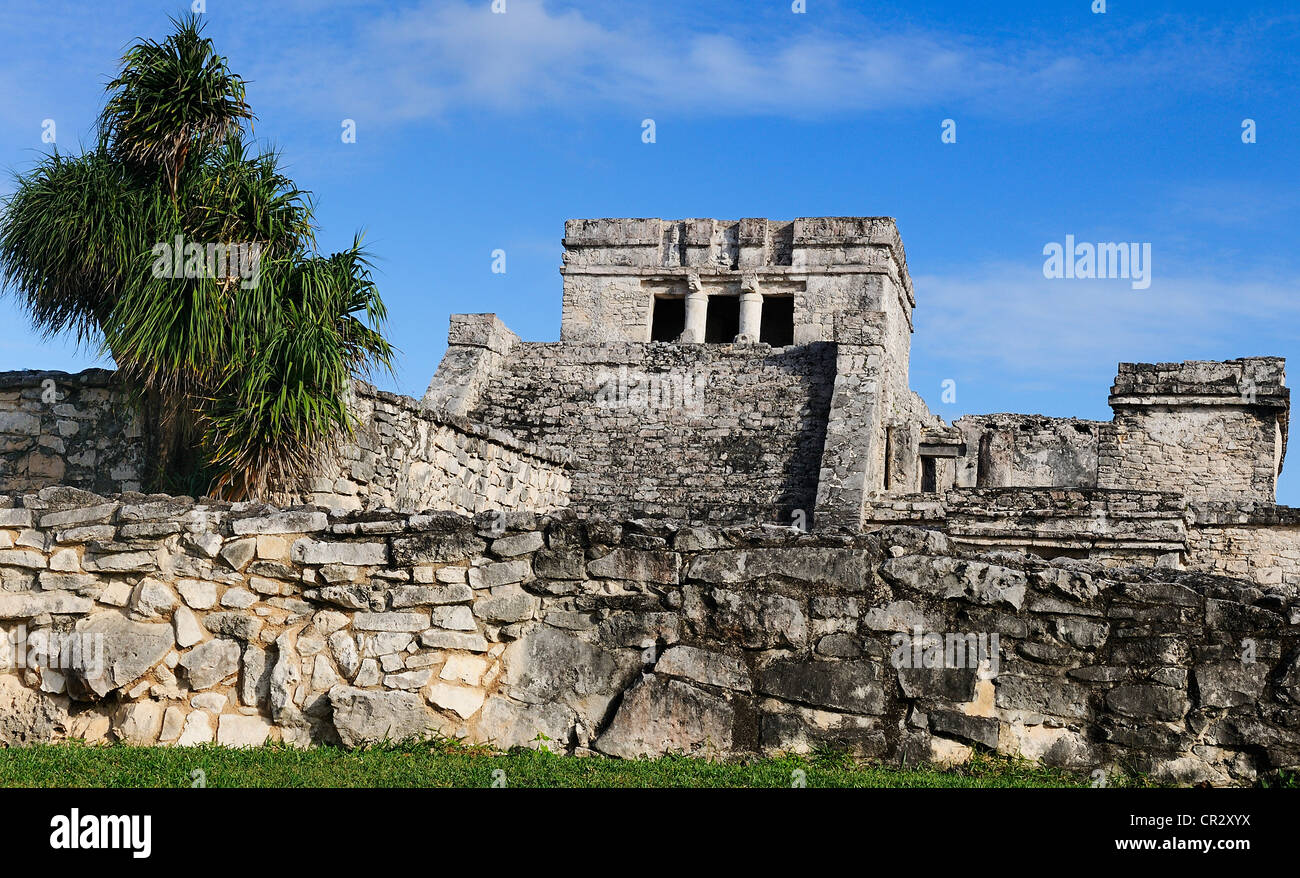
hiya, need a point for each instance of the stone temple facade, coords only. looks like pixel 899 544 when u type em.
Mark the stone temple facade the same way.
pixel 752 370
pixel 719 372
pixel 712 518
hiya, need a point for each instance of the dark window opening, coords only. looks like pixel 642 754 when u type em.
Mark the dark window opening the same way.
pixel 928 480
pixel 722 322
pixel 668 318
pixel 984 462
pixel 777 328
pixel 889 456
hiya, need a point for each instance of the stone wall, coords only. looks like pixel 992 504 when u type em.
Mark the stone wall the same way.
pixel 1111 528
pixel 242 623
pixel 80 431
pixel 1255 541
pixel 409 457
pixel 63 429
pixel 1009 450
pixel 706 432
pixel 1208 429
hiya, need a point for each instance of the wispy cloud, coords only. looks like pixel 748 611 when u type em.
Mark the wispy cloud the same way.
pixel 450 55
pixel 1010 321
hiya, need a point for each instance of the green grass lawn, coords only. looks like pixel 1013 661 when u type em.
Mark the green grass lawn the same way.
pixel 447 764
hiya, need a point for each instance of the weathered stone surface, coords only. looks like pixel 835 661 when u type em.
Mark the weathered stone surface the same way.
pixel 454 618
pixel 188 629
pixel 453 545
pixel 414 679
pixel 792 729
pixel 467 669
pixel 368 717
pixel 238 598
pixel 757 619
pixel 172 725
pixel 701 666
pixel 233 624
pixel 550 666
pixel 254 676
pixel 971 729
pixel 287 522
pixel 563 563
pixel 1048 695
pixel 208 664
pixel 81 515
pixel 286 674
pixel 22 558
pixel 138 723
pixel 199 594
pixel 390 621
pixel 506 608
pixel 1230 684
pixel 152 598
pixel 660 716
pixel 636 565
pixel 28 716
pixel 499 573
pixel 121 562
pixel 234 730
pixel 308 551
pixel 849 686
pixel 198 729
pixel 505 723
pixel 462 700
pixel 130 649
pixel 1151 702
pixel 426 595
pixel 511 635
pixel 344 649
pixel 25 606
pixel 850 569
pixel 517 544
pixel 950 684
pixel 947 578
pixel 839 646
pixel 469 641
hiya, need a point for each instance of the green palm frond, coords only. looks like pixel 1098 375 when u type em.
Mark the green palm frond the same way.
pixel 171 98
pixel 244 379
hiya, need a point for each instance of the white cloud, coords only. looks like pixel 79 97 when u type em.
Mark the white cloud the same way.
pixel 1008 320
pixel 451 54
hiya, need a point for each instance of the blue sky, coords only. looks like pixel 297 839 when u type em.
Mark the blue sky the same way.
pixel 478 131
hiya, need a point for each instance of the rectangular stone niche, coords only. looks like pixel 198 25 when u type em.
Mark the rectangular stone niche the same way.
pixel 722 324
pixel 777 326
pixel 668 318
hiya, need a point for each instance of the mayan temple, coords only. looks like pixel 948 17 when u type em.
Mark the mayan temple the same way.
pixel 710 518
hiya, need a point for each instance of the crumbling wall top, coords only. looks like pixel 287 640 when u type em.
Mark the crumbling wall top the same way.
pixel 1245 381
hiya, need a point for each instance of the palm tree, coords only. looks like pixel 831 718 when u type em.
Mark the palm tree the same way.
pixel 242 383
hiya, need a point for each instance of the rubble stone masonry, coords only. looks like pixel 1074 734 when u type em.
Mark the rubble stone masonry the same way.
pixel 669 533
pixel 246 623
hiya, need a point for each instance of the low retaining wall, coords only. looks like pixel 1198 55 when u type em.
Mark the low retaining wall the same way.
pixel 246 623
pixel 408 456
pixel 79 430
pixel 58 428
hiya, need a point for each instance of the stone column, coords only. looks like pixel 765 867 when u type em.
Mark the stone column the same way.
pixel 751 310
pixel 697 306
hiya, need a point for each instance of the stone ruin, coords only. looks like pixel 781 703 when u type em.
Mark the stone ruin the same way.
pixel 712 518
